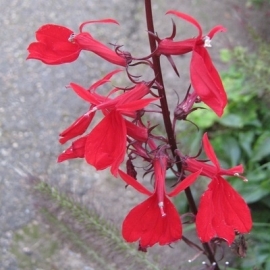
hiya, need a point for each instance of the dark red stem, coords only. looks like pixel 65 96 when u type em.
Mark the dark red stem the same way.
pixel 166 116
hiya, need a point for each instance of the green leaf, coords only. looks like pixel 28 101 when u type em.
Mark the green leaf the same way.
pixel 232 120
pixel 262 147
pixel 245 141
pixel 203 118
pixel 232 149
pixel 253 193
pixel 225 55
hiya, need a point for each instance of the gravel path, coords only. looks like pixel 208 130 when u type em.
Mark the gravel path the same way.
pixel 35 106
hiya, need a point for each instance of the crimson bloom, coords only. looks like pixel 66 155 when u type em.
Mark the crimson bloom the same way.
pixel 81 124
pixel 222 211
pixel 57 44
pixel 155 220
pixel 204 76
pixel 52 46
pixel 105 145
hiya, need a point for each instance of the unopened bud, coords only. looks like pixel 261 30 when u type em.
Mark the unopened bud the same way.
pixel 185 107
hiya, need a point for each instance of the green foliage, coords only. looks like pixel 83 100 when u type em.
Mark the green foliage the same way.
pixel 257 3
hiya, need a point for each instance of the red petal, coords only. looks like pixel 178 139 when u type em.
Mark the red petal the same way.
pixel 106 144
pixel 76 150
pixel 206 81
pixel 135 105
pixel 210 151
pixel 136 132
pixel 136 93
pixel 98 21
pixel 87 42
pixel 185 183
pixel 236 211
pixel 187 18
pixel 134 183
pixel 127 98
pixel 170 47
pixel 77 128
pixel 222 211
pixel 51 33
pixel 105 79
pixel 145 223
pixel 232 171
pixel 205 216
pixel 84 94
pixel 216 29
pixel 55 55
pixel 53 46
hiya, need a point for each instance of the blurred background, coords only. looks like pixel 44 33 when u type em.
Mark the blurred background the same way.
pixel 50 213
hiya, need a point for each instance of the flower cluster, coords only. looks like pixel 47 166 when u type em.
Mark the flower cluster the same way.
pixel 124 133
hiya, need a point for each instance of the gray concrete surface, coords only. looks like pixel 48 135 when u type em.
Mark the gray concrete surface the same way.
pixel 35 106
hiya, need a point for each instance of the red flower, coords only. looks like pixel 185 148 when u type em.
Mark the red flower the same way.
pixel 57 45
pixel 105 145
pixel 155 220
pixel 52 46
pixel 208 170
pixel 222 211
pixel 206 81
pixel 82 123
pixel 204 76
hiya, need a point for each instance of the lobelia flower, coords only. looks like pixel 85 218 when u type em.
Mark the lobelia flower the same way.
pixel 81 124
pixel 105 145
pixel 222 211
pixel 204 76
pixel 57 44
pixel 155 220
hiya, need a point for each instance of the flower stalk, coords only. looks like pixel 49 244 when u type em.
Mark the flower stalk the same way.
pixel 163 99
pixel 167 119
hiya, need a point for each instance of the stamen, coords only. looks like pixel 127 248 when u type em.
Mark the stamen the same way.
pixel 242 177
pixel 71 38
pixel 93 110
pixel 161 205
pixel 207 42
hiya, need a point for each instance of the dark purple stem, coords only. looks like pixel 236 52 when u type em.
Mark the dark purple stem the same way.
pixel 166 117
pixel 163 99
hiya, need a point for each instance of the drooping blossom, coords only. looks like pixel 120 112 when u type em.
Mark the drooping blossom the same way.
pixel 204 76
pixel 57 44
pixel 222 211
pixel 105 145
pixel 155 220
pixel 82 123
